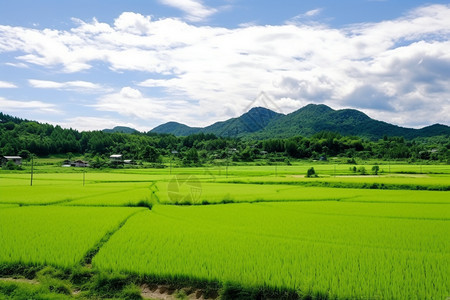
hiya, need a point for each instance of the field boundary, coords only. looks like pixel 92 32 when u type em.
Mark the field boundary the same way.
pixel 90 254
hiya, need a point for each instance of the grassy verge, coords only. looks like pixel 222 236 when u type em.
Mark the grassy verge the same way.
pixel 45 282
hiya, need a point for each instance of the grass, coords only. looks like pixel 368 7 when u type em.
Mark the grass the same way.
pixel 54 235
pixel 309 247
pixel 280 234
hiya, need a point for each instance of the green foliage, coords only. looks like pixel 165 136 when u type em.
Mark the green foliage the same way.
pixel 316 247
pixel 18 290
pixel 28 233
pixel 308 240
pixel 375 169
pixel 25 137
pixel 10 165
pixel 311 173
pixel 362 170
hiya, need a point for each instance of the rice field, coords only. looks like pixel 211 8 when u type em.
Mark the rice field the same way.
pixel 55 235
pixel 312 247
pixel 333 236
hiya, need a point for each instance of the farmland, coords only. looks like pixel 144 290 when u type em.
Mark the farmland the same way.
pixel 259 231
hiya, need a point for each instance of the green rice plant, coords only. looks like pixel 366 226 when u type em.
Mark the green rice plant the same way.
pixel 55 235
pixel 216 192
pixel 354 250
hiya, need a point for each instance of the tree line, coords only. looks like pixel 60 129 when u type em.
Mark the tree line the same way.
pixel 22 137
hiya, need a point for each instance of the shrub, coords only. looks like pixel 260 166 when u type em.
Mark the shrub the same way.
pixel 375 169
pixel 311 173
pixel 362 170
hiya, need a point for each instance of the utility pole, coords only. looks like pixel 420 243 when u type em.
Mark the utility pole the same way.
pixel 226 169
pixel 84 176
pixel 32 165
pixel 171 160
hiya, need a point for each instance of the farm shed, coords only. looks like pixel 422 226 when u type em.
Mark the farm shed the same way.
pixel 80 163
pixel 16 159
pixel 116 158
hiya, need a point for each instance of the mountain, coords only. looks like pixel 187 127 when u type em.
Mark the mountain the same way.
pixel 314 118
pixel 121 129
pixel 254 120
pixel 175 128
pixel 262 123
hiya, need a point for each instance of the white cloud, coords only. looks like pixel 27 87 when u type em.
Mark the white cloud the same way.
pixel 17 65
pixel 9 106
pixel 131 103
pixel 79 86
pixel 195 10
pixel 7 85
pixel 95 123
pixel 398 67
pixel 133 23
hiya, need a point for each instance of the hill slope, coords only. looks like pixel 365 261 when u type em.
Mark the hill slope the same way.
pixel 313 118
pixel 175 128
pixel 121 129
pixel 263 123
pixel 254 120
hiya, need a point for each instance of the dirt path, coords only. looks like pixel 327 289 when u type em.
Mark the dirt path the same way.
pixel 21 280
pixel 166 292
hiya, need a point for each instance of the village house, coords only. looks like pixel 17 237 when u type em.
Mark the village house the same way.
pixel 117 158
pixel 16 159
pixel 80 163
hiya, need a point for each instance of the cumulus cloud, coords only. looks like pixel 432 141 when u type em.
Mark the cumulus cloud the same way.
pixel 395 70
pixel 11 106
pixel 195 10
pixel 79 86
pixel 132 103
pixel 7 85
pixel 95 123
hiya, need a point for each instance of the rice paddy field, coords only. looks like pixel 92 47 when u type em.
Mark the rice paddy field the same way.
pixel 338 236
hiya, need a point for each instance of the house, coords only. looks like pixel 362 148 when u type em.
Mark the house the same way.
pixel 16 159
pixel 117 158
pixel 80 163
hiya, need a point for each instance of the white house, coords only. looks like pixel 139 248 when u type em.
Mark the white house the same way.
pixel 116 158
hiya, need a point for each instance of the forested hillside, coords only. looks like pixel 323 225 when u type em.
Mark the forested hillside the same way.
pixel 23 137
pixel 262 123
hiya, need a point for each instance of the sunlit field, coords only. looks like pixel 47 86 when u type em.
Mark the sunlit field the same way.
pixel 340 235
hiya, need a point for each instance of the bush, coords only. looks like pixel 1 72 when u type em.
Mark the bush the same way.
pixel 10 165
pixel 375 169
pixel 362 170
pixel 131 292
pixel 351 161
pixel 311 173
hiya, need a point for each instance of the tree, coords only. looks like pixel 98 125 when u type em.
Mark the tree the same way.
pixel 311 173
pixel 150 154
pixel 25 154
pixel 375 169
pixel 362 170
pixel 10 165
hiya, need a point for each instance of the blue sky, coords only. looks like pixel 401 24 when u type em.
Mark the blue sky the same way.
pixel 97 64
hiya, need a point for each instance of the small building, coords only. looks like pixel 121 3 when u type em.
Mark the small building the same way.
pixel 117 158
pixel 129 162
pixel 80 164
pixel 67 163
pixel 16 159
